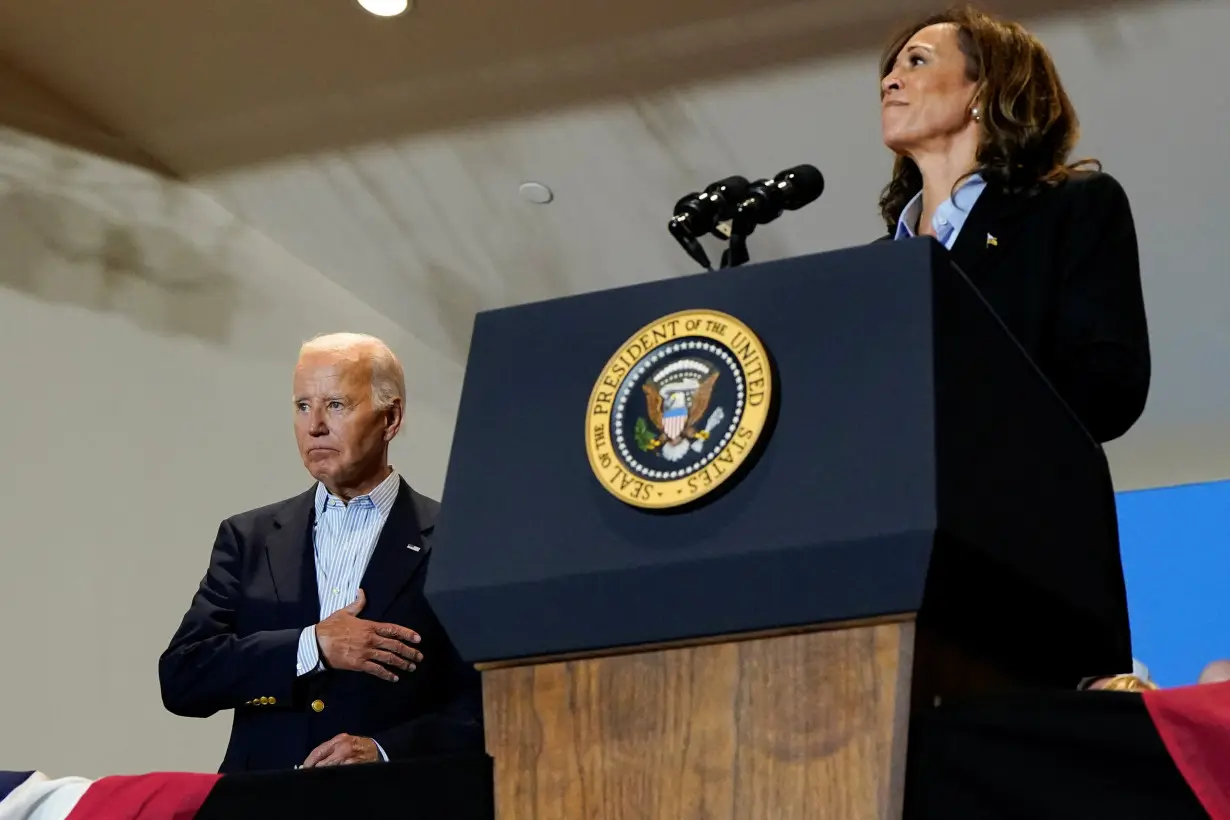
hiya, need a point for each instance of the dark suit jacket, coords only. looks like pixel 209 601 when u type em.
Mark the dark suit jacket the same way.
pixel 1061 268
pixel 236 647
pixel 1063 272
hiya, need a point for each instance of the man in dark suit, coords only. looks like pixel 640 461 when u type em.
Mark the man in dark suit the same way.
pixel 311 621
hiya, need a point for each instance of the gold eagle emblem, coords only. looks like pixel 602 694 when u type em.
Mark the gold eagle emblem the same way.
pixel 678 409
pixel 656 406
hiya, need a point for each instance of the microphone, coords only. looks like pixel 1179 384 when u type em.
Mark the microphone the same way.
pixel 766 199
pixel 699 213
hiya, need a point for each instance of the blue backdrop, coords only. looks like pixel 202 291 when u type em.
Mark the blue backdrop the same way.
pixel 1176 558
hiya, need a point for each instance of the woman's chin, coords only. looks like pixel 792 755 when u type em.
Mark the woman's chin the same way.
pixel 895 144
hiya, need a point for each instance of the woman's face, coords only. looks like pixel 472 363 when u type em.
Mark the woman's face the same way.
pixel 927 95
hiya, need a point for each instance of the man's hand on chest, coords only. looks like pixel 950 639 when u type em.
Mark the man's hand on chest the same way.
pixel 379 649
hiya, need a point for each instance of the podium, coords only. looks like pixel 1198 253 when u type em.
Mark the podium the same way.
pixel 921 518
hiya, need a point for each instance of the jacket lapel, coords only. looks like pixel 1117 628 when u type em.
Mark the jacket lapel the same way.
pixel 292 562
pixel 988 231
pixel 401 548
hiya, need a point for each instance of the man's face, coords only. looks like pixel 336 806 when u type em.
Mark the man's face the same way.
pixel 342 437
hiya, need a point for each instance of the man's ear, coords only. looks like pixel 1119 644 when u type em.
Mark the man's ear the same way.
pixel 393 416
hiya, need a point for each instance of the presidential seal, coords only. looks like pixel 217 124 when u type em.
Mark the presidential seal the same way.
pixel 678 409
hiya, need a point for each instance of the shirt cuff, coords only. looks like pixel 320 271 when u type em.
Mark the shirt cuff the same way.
pixel 308 659
pixel 383 757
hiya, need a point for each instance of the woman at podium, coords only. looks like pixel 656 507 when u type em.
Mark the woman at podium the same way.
pixel 982 128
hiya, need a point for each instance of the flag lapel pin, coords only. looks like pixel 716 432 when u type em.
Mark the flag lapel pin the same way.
pixel 992 241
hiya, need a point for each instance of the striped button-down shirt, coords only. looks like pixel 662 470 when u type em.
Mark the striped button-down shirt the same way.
pixel 343 540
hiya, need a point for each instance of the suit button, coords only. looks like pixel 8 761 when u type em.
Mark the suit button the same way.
pixel 318 706
pixel 264 701
pixel 272 701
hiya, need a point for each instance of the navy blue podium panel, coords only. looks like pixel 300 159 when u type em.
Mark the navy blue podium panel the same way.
pixel 905 422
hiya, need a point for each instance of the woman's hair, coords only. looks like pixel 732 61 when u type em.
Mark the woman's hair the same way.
pixel 1029 126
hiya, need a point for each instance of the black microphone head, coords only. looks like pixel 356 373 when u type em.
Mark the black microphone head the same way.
pixel 799 186
pixel 687 204
pixel 699 213
pixel 729 188
pixel 766 199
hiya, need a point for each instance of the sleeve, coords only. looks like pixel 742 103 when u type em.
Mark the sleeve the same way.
pixel 307 658
pixel 207 667
pixel 1102 351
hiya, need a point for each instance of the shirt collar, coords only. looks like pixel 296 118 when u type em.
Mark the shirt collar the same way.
pixel 381 497
pixel 949 217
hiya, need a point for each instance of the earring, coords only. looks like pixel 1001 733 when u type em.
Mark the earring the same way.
pixel 976 114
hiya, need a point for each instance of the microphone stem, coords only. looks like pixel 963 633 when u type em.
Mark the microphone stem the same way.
pixel 736 252
pixel 689 244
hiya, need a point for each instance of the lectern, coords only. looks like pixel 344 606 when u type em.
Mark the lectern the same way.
pixel 919 517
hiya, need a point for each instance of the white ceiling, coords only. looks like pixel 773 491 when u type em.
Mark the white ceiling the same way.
pixel 418 212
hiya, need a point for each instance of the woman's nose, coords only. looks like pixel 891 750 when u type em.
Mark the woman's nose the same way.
pixel 890 83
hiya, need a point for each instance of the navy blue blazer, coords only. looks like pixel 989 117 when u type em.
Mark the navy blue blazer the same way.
pixel 1060 266
pixel 236 646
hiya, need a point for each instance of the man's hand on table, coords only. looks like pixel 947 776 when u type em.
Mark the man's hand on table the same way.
pixel 343 750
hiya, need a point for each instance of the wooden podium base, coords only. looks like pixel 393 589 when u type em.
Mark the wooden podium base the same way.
pixel 808 726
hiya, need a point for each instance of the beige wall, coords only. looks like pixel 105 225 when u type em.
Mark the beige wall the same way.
pixel 147 339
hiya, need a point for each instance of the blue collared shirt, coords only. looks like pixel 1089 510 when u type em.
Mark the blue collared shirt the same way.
pixel 344 539
pixel 949 217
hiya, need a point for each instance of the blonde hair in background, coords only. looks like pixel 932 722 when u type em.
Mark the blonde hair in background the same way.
pixel 1127 683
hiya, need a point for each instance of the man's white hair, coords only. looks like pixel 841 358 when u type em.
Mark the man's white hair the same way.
pixel 388 378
